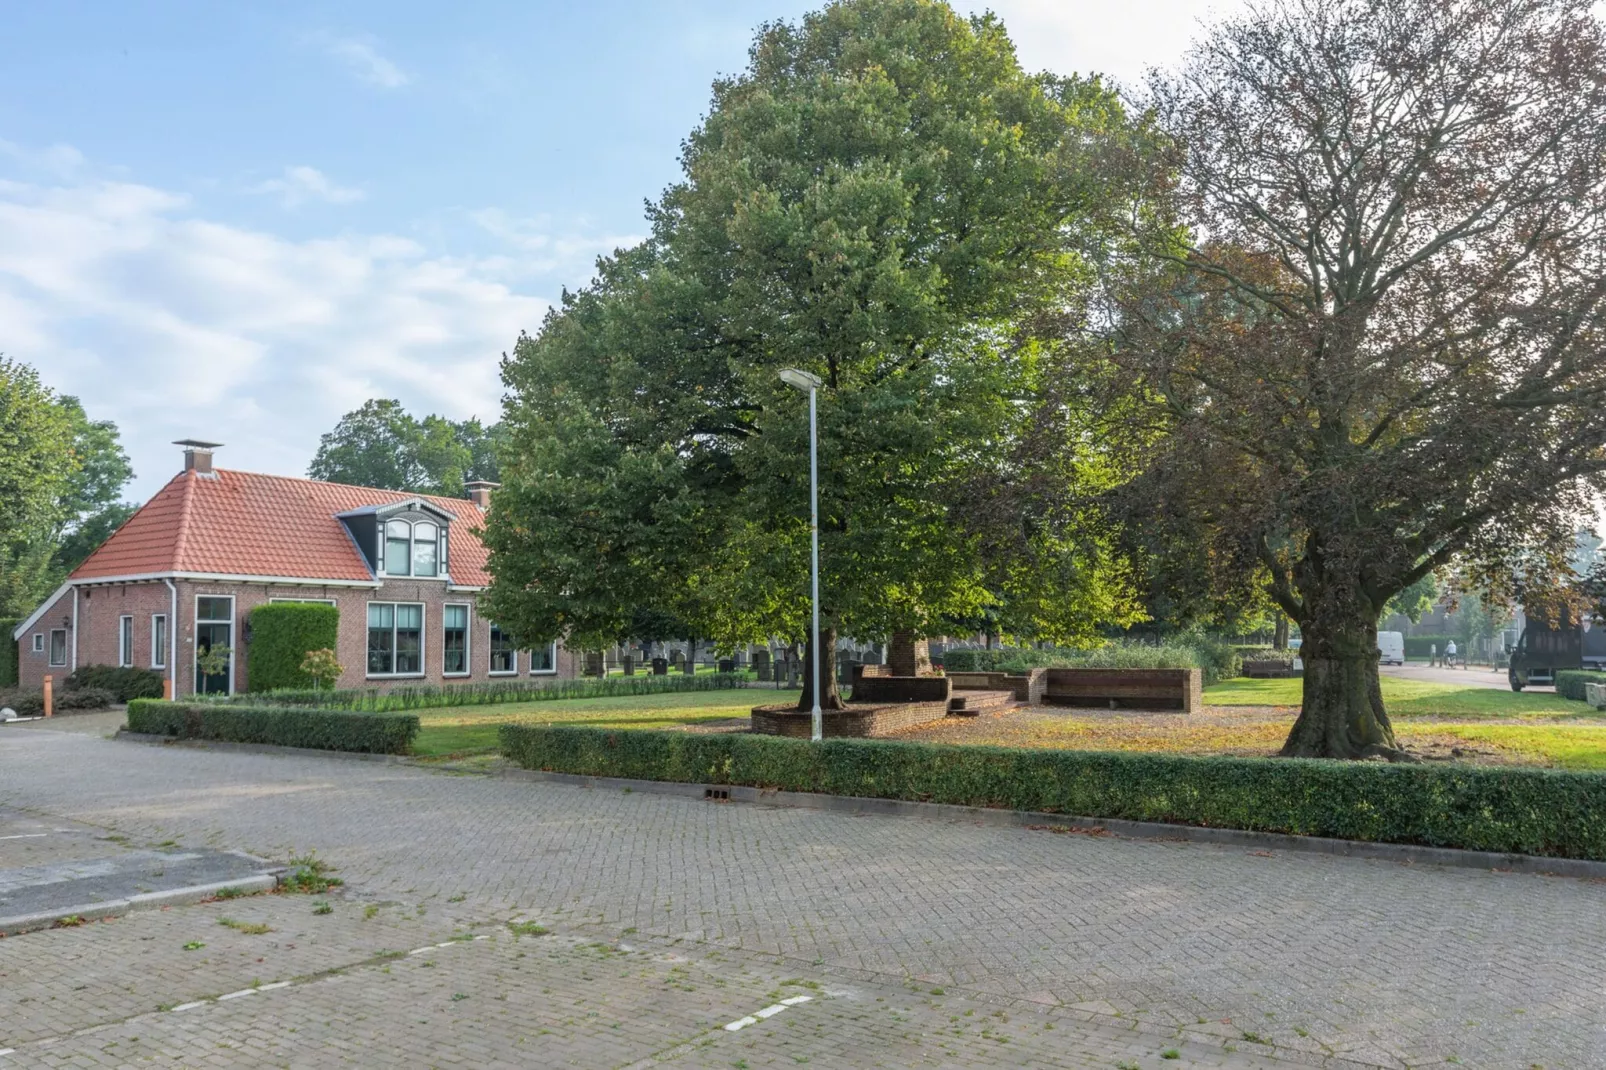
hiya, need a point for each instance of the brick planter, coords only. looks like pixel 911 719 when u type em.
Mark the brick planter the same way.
pixel 1178 690
pixel 1027 687
pixel 858 721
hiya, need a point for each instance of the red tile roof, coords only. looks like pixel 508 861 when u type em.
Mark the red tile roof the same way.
pixel 246 524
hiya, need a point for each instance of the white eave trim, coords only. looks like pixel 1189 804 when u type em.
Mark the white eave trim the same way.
pixel 221 577
pixel 22 629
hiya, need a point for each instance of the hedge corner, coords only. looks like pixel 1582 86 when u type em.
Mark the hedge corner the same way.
pixel 281 635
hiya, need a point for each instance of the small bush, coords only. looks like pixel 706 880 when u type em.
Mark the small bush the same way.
pixel 25 703
pixel 1570 682
pixel 126 684
pixel 282 635
pixel 371 733
pixel 1527 811
pixel 84 698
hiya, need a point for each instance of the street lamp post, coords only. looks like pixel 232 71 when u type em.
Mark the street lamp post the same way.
pixel 803 380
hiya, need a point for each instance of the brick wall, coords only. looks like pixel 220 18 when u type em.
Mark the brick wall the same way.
pixel 1027 687
pixel 856 722
pixel 887 689
pixel 1137 689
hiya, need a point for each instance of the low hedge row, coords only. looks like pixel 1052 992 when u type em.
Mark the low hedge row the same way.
pixel 126 683
pixel 1570 682
pixel 371 733
pixel 1535 812
pixel 432 696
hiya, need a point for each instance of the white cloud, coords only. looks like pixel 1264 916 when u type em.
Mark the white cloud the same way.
pixel 302 184
pixel 56 160
pixel 544 250
pixel 178 326
pixel 363 59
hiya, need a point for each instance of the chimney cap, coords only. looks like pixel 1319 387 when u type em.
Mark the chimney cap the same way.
pixel 196 444
pixel 478 484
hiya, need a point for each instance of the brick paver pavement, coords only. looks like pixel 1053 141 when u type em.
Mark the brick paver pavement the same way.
pixel 931 943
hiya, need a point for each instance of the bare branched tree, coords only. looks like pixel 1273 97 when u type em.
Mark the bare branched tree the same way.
pixel 1375 322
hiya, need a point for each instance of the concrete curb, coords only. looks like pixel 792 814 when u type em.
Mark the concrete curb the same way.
pixel 1408 854
pixel 116 908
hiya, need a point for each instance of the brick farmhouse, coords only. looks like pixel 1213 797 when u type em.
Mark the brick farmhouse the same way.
pixel 182 575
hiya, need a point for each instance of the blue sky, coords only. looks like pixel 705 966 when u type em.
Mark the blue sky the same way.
pixel 238 221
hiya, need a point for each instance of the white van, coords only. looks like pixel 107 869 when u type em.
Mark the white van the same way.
pixel 1392 648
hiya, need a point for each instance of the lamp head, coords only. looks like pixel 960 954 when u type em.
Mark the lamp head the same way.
pixel 801 379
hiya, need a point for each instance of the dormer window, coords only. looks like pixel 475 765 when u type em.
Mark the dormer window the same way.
pixel 412 548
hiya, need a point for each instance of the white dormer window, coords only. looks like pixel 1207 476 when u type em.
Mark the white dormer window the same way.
pixel 398 548
pixel 426 549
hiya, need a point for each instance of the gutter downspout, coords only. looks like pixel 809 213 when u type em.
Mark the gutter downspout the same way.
pixel 172 638
pixel 75 629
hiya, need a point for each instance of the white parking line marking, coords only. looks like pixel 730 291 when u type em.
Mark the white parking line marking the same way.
pixel 22 836
pixel 768 1012
pixel 192 1006
pixel 276 984
pixel 237 995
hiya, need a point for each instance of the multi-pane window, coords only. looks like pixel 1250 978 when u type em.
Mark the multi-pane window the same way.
pixel 545 659
pixel 395 639
pixel 412 549
pixel 159 641
pixel 454 640
pixel 58 646
pixel 125 642
pixel 504 659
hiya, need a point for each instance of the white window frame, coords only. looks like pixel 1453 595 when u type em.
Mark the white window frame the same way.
pixel 468 640
pixel 490 652
pixel 553 649
pixel 234 637
pixel 158 642
pixel 441 540
pixel 423 642
pixel 125 641
pixel 54 664
pixel 38 642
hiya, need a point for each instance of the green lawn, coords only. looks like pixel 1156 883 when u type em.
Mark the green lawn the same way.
pixel 469 730
pixel 1568 746
pixel 1410 698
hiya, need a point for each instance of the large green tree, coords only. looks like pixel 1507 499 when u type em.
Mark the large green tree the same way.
pixel 1375 324
pixel 884 199
pixel 382 445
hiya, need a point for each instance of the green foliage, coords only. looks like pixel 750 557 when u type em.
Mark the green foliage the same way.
pixel 433 697
pixel 1570 682
pixel 371 733
pixel 8 652
pixel 125 683
pixel 1416 600
pixel 23 703
pixel 282 634
pixel 883 198
pixel 1536 812
pixel 83 698
pixel 322 667
pixel 383 445
pixel 1218 660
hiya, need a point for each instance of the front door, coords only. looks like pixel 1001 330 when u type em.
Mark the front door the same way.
pixel 214 631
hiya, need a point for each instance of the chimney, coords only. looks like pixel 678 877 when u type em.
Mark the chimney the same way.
pixel 198 456
pixel 479 492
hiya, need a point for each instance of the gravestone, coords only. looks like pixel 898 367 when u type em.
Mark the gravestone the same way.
pixel 594 663
pixel 660 667
pixel 628 663
pixel 761 663
pixel 677 660
pixel 727 664
pixel 688 666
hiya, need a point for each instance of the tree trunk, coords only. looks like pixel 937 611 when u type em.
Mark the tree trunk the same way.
pixel 1279 638
pixel 1342 715
pixel 830 694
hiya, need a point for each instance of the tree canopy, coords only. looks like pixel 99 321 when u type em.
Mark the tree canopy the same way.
pixel 882 198
pixel 1372 326
pixel 382 445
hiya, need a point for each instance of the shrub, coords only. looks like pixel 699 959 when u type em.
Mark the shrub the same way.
pixel 282 635
pixel 1570 682
pixel 8 654
pixel 126 684
pixel 1528 811
pixel 373 733
pixel 83 698
pixel 322 668
pixel 433 697
pixel 25 703
pixel 1217 660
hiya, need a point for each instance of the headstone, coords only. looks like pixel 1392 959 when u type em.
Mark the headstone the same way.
pixel 761 663
pixel 688 666
pixel 727 664
pixel 677 660
pixel 794 669
pixel 628 664
pixel 660 667
pixel 594 665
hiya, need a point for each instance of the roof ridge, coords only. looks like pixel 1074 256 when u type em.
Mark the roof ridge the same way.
pixel 332 483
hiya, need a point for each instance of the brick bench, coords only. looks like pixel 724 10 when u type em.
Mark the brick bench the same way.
pixel 1127 689
pixel 1027 687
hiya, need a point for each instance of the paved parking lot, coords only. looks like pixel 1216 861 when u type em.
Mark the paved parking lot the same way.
pixel 918 943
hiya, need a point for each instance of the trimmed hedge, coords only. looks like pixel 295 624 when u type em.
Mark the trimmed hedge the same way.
pixel 1525 811
pixel 126 684
pixel 429 696
pixel 8 652
pixel 281 635
pixel 1570 682
pixel 370 733
pixel 1216 660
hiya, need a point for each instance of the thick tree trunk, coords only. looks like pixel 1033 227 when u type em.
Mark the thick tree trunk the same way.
pixel 1342 715
pixel 1279 638
pixel 830 694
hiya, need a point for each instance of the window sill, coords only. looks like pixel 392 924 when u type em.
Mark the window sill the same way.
pixel 455 675
pixel 543 672
pixel 507 672
pixel 395 676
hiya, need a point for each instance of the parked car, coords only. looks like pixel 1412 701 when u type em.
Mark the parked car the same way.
pixel 1391 648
